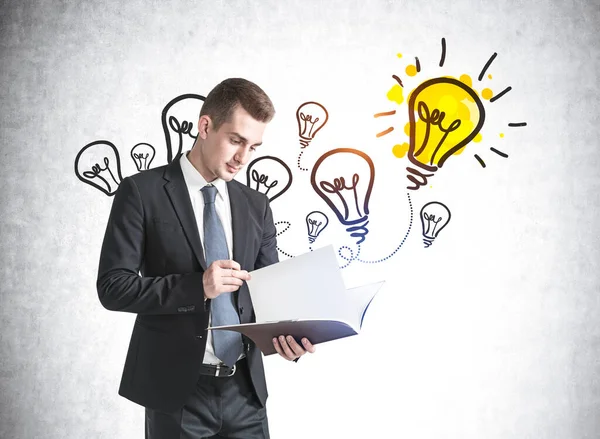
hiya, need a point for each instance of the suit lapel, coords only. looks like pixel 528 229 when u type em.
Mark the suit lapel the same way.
pixel 180 199
pixel 239 210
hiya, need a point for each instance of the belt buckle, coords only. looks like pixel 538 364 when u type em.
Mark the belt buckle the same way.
pixel 219 369
pixel 232 370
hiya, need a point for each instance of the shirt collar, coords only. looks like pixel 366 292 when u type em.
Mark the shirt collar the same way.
pixel 195 181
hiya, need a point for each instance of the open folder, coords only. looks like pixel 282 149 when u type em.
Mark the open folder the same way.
pixel 304 296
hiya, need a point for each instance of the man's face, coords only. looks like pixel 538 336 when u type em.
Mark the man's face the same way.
pixel 225 151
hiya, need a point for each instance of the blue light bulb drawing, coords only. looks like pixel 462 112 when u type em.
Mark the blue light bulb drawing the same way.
pixel 344 178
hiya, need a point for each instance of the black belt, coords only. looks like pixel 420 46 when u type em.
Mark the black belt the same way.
pixel 218 370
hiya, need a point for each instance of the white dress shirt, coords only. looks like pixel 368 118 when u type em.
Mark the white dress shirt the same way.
pixel 195 182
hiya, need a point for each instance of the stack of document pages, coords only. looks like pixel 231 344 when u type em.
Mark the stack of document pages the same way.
pixel 304 296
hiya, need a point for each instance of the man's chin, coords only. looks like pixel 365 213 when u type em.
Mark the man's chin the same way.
pixel 228 176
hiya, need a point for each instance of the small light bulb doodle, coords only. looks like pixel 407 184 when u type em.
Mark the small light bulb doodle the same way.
pixel 315 223
pixel 179 119
pixel 99 165
pixel 434 217
pixel 269 175
pixel 142 155
pixel 344 178
pixel 311 117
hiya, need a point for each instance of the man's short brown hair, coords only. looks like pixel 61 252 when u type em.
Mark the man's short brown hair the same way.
pixel 222 100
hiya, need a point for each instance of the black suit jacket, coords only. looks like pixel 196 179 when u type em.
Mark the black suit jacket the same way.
pixel 152 231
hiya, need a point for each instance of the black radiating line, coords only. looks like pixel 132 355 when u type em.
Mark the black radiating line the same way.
pixel 481 162
pixel 502 93
pixel 500 153
pixel 517 124
pixel 487 65
pixel 418 64
pixel 443 58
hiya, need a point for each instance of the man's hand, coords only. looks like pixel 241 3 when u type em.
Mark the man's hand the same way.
pixel 223 276
pixel 289 349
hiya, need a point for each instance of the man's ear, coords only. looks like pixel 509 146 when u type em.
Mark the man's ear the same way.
pixel 204 123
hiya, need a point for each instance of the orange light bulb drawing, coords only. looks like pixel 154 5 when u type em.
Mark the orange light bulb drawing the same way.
pixel 444 115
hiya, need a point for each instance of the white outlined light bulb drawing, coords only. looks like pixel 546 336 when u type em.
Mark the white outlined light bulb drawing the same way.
pixel 434 217
pixel 311 117
pixel 315 223
pixel 142 155
pixel 98 164
pixel 343 178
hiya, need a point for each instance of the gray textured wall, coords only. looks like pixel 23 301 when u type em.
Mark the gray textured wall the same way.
pixel 503 343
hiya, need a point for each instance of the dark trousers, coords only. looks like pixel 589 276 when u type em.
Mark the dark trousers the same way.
pixel 224 407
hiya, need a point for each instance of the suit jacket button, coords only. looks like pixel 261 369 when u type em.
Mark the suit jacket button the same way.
pixel 242 310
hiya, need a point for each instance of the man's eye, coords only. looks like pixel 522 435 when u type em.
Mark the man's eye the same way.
pixel 235 141
pixel 253 148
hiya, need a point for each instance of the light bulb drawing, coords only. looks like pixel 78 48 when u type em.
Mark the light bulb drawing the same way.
pixel 316 222
pixel 434 217
pixel 269 175
pixel 179 119
pixel 142 155
pixel 450 115
pixel 445 115
pixel 311 117
pixel 99 165
pixel 344 178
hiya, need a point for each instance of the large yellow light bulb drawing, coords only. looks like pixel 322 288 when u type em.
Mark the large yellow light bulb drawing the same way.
pixel 444 115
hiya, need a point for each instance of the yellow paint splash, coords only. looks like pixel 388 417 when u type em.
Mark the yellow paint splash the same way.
pixel 490 76
pixel 501 135
pixel 466 79
pixel 407 129
pixel 399 55
pixel 395 94
pixel 400 150
pixel 411 70
pixel 477 138
pixel 486 93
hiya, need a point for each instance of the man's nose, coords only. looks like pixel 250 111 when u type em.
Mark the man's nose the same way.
pixel 241 156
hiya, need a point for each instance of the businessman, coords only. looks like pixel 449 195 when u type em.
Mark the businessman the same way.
pixel 178 247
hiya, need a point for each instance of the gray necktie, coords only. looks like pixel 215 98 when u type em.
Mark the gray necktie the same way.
pixel 228 344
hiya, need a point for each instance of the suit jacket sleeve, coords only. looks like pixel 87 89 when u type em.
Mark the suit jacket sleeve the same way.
pixel 120 286
pixel 267 254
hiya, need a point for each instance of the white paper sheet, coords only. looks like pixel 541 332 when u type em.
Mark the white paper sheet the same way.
pixel 309 286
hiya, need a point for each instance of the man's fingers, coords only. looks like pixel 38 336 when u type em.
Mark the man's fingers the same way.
pixel 294 346
pixel 227 263
pixel 308 345
pixel 278 348
pixel 239 274
pixel 286 349
pixel 228 280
